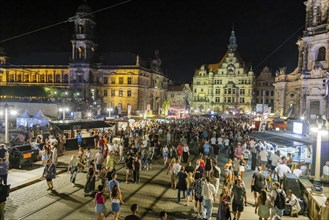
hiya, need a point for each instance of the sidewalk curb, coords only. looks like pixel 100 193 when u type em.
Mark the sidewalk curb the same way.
pixel 33 181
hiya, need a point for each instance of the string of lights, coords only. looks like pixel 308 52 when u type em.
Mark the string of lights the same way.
pixel 281 45
pixel 70 19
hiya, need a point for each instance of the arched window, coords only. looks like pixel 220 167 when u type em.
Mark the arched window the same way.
pixel 321 54
pixel 58 78
pixel 81 53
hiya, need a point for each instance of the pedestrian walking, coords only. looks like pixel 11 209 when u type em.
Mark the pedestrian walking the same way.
pixel 99 160
pixel 73 168
pixel 208 165
pixel 189 184
pixel 225 200
pixel 180 151
pixel 238 194
pixel 216 175
pixel 186 153
pixel 165 153
pixel 258 182
pixel 208 195
pixel 113 182
pixel 263 205
pixel 278 199
pixel 79 139
pixel 90 183
pixel 45 152
pixel 54 154
pixel 49 173
pixel 181 184
pixel 100 200
pixel 129 167
pixel 137 167
pixel 197 189
pixel 116 202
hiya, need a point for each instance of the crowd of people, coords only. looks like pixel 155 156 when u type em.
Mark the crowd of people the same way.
pixel 205 157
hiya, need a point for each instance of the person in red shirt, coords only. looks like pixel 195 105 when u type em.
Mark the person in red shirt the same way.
pixel 101 144
pixel 180 151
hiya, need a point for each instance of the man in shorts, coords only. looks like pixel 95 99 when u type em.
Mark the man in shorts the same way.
pixel 238 194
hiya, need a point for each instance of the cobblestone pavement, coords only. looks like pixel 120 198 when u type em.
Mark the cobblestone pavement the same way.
pixel 66 202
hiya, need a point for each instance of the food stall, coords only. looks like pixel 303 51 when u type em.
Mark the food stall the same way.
pixel 301 149
pixel 86 129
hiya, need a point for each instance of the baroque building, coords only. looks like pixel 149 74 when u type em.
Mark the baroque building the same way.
pixel 226 86
pixel 107 80
pixel 264 89
pixel 304 92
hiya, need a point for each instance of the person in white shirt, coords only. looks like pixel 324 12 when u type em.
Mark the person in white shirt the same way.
pixel 274 162
pixel 263 157
pixel 298 172
pixel 282 169
pixel 208 193
pixel 220 143
pixel 121 158
pixel 325 172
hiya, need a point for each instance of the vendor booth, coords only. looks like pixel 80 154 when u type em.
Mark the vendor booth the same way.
pixel 40 119
pixel 300 150
pixel 25 120
pixel 86 129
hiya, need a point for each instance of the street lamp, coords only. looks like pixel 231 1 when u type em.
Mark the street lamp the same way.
pixel 12 112
pixel 64 109
pixel 317 186
pixel 110 111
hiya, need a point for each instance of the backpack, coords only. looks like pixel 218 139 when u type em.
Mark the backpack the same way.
pixel 280 201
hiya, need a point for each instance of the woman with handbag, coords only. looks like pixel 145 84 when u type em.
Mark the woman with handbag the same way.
pixel 49 173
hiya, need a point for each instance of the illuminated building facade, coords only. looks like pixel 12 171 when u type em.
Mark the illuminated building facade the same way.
pixel 179 95
pixel 304 92
pixel 264 89
pixel 224 86
pixel 115 80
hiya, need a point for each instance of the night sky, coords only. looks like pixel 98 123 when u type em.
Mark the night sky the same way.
pixel 188 33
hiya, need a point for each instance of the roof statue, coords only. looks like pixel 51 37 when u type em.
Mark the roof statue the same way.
pixel 232 46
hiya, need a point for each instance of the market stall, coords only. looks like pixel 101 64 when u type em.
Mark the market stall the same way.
pixel 300 150
pixel 86 129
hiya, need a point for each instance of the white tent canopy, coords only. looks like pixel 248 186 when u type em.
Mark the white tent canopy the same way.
pixel 27 121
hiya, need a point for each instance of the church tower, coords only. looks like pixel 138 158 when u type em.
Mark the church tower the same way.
pixel 83 46
pixel 83 53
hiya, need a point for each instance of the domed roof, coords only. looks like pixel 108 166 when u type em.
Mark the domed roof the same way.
pixel 84 8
